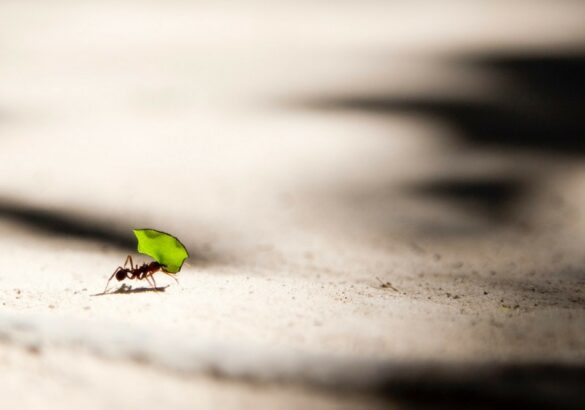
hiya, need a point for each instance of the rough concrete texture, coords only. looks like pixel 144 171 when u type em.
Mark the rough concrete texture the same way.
pixel 382 200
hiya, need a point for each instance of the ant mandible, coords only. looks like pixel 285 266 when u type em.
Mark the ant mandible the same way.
pixel 145 271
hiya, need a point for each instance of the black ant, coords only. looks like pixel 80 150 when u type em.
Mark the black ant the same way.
pixel 145 271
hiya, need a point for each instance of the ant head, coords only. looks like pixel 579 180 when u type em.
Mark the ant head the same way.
pixel 121 274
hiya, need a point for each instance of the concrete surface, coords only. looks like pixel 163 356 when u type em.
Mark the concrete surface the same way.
pixel 303 153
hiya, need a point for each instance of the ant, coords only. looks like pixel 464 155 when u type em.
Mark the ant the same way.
pixel 146 271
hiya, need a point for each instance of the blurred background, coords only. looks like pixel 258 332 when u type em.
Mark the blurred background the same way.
pixel 437 146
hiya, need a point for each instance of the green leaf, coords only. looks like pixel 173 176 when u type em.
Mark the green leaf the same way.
pixel 162 247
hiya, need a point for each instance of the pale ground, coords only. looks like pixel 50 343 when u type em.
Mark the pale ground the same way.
pixel 188 117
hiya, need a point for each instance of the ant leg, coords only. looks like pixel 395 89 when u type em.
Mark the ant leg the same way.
pixel 129 258
pixel 151 282
pixel 171 275
pixel 111 277
pixel 141 276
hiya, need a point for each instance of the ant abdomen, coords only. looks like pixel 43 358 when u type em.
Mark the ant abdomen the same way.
pixel 121 274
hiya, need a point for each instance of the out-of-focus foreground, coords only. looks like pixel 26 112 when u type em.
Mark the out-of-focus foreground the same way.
pixel 383 201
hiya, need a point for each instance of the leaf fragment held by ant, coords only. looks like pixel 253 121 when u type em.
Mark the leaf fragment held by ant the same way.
pixel 162 247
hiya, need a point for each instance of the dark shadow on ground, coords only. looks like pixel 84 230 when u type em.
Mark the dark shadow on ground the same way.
pixel 538 108
pixel 62 223
pixel 127 289
pixel 540 105
pixel 535 289
pixel 87 227
pixel 491 198
pixel 490 386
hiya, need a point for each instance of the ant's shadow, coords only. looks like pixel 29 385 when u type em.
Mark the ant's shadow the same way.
pixel 127 289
